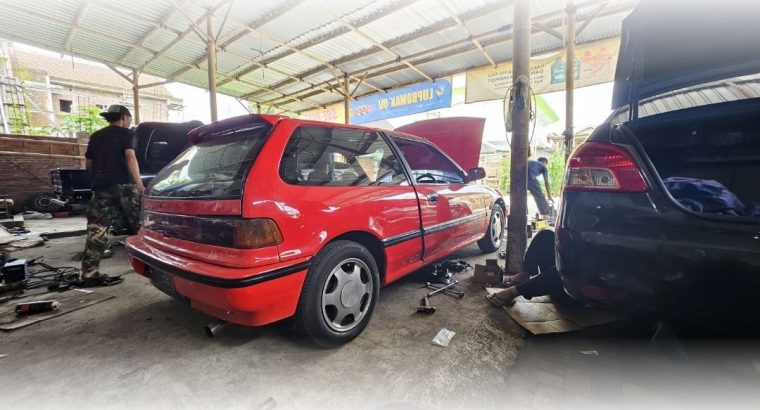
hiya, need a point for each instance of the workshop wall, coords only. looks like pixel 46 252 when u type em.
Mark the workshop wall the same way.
pixel 26 161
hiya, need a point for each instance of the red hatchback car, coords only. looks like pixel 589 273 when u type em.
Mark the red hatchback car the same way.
pixel 267 217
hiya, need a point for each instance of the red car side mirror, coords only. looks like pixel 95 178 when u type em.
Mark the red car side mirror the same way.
pixel 476 174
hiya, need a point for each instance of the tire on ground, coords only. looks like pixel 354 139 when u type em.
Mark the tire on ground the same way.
pixel 42 202
pixel 311 317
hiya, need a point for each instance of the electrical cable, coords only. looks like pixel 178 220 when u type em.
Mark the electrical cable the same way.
pixel 507 112
pixel 47 274
pixel 44 277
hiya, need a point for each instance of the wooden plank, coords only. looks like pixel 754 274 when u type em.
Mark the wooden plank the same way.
pixel 9 321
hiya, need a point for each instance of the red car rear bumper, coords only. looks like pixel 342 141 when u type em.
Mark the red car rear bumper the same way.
pixel 251 297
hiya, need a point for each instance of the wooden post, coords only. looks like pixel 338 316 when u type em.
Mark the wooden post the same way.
pixel 569 79
pixel 211 66
pixel 346 100
pixel 136 96
pixel 517 237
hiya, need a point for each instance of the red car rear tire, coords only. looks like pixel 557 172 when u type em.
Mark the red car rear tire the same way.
pixel 339 294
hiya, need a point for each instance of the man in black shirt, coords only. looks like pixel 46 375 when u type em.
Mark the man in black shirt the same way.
pixel 116 189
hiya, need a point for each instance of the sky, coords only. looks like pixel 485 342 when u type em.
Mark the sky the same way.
pixel 197 105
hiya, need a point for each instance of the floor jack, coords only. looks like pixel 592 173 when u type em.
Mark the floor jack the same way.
pixel 425 307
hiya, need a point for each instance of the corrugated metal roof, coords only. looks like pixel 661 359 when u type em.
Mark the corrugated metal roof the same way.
pixel 739 88
pixel 303 43
pixel 431 41
pixel 136 58
pixel 491 22
pixel 420 14
pixel 305 17
pixel 100 20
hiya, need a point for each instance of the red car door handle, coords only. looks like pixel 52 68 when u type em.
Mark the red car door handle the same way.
pixel 432 198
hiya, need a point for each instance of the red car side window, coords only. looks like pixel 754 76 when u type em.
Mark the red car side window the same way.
pixel 340 157
pixel 427 164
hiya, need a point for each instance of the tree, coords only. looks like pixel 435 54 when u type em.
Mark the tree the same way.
pixel 557 171
pixel 503 175
pixel 88 120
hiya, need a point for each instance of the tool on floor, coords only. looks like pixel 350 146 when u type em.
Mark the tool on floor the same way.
pixel 424 306
pixel 453 292
pixel 14 271
pixel 37 306
pixel 442 289
pixel 268 404
pixel 443 272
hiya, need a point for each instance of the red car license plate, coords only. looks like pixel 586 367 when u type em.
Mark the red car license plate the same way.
pixel 163 281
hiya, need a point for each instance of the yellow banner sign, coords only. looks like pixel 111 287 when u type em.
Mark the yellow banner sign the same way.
pixel 332 113
pixel 594 64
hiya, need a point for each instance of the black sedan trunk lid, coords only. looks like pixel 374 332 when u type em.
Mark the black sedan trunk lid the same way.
pixel 673 44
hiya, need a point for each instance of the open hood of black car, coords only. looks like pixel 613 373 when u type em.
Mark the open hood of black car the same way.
pixel 667 45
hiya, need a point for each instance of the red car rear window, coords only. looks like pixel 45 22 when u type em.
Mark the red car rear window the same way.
pixel 214 168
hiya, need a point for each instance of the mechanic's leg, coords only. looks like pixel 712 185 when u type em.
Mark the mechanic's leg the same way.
pixel 539 257
pixel 543 205
pixel 99 215
pixel 94 247
pixel 129 204
pixel 545 283
pixel 541 251
pixel 102 210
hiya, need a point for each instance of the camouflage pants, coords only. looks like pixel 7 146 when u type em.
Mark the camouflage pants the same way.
pixel 117 205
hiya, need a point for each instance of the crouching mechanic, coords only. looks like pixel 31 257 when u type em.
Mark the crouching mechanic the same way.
pixel 116 190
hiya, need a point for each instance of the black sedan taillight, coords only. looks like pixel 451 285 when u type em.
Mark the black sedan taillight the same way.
pixel 598 166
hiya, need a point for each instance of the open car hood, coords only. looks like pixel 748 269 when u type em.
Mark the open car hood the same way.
pixel 673 44
pixel 459 137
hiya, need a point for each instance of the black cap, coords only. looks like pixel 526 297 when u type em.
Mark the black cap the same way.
pixel 115 112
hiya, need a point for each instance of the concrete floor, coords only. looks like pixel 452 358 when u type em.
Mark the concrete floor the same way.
pixel 142 349
pixel 620 366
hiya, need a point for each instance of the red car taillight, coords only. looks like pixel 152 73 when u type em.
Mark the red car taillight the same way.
pixel 596 166
pixel 236 233
pixel 256 233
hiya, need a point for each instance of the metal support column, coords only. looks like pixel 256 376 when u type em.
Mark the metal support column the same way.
pixel 517 237
pixel 569 79
pixel 136 96
pixel 346 101
pixel 211 66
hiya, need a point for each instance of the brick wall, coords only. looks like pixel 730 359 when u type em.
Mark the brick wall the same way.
pixel 25 163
